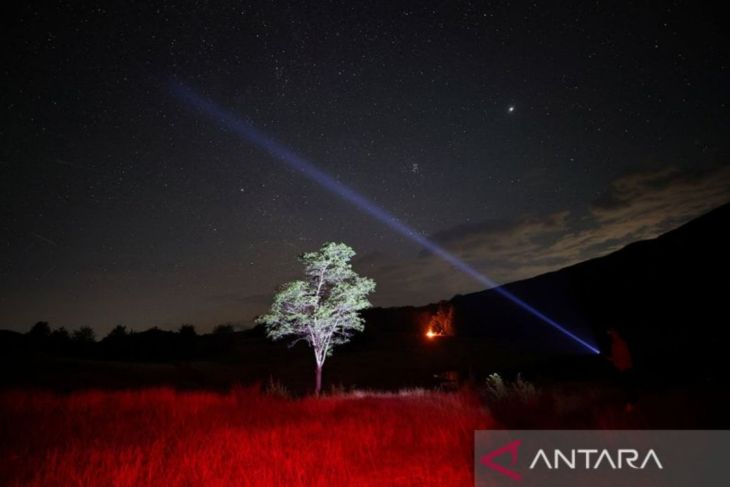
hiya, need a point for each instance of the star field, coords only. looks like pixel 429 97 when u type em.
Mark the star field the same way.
pixel 120 205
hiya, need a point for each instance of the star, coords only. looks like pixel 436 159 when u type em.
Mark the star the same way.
pixel 386 105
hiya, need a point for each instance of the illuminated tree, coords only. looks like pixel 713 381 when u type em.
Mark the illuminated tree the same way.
pixel 321 310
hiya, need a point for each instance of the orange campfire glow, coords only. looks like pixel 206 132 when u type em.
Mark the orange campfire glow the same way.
pixel 440 323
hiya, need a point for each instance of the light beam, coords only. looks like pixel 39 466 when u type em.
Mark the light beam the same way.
pixel 228 120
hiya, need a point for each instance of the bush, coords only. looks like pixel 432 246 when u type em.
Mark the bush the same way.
pixel 520 390
pixel 518 403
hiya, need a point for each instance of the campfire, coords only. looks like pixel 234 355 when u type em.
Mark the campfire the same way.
pixel 440 323
pixel 431 334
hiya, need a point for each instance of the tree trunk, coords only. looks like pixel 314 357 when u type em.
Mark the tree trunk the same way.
pixel 318 383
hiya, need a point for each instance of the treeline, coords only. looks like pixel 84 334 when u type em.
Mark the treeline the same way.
pixel 152 345
pixel 225 342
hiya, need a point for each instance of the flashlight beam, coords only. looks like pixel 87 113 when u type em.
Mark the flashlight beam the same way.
pixel 231 122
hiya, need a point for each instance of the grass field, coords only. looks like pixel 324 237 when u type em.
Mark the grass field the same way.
pixel 163 437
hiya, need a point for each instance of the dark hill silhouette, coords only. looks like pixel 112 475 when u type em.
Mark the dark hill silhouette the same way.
pixel 667 296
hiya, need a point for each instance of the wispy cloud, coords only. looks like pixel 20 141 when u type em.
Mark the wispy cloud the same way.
pixel 637 206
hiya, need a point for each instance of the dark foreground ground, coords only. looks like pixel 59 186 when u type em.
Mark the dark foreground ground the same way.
pixel 571 391
pixel 398 412
pixel 263 435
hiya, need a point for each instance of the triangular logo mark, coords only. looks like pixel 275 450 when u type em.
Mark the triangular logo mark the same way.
pixel 511 448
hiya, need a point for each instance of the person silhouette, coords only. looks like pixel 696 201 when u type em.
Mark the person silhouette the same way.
pixel 620 358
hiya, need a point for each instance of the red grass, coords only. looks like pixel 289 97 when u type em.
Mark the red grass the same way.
pixel 161 437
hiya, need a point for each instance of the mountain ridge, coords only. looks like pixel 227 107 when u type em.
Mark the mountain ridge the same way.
pixel 672 283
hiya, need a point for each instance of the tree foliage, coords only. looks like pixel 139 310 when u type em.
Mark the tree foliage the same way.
pixel 322 309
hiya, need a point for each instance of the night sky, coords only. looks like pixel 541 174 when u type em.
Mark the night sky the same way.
pixel 523 137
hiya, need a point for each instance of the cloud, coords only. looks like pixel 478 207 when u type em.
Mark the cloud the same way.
pixel 636 206
pixel 644 205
